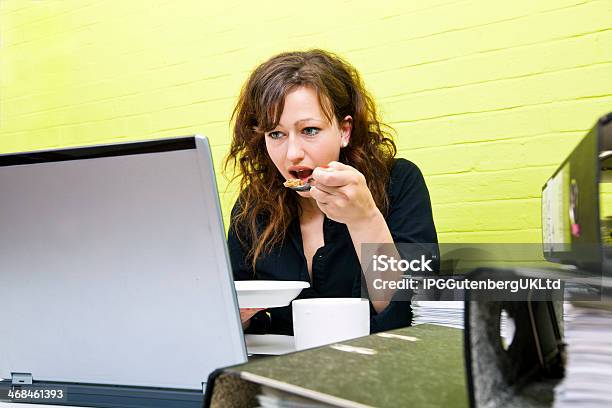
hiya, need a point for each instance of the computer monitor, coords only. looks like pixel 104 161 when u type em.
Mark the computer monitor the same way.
pixel 114 269
pixel 573 227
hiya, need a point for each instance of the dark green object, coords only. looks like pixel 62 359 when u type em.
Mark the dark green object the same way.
pixel 426 372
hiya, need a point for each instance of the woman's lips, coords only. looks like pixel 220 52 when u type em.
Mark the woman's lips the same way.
pixel 302 174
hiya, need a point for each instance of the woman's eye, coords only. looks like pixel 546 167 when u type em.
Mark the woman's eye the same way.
pixel 311 131
pixel 275 135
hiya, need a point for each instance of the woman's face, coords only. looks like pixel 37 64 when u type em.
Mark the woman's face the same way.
pixel 304 139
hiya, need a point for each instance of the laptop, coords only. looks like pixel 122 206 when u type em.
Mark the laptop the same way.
pixel 115 279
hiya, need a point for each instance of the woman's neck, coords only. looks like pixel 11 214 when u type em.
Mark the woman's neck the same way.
pixel 309 207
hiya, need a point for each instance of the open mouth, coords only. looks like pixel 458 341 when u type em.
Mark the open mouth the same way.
pixel 302 174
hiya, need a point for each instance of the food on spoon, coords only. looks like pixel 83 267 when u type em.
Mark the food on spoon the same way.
pixel 292 183
pixel 301 177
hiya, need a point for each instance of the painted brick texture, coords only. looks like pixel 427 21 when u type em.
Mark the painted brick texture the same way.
pixel 486 97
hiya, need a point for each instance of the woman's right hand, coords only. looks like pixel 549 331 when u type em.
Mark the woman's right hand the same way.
pixel 246 314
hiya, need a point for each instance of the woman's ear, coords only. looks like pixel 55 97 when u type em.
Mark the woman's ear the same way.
pixel 346 126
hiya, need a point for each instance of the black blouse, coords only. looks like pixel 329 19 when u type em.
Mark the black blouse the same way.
pixel 336 271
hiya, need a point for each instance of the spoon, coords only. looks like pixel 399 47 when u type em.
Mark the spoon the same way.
pixel 304 187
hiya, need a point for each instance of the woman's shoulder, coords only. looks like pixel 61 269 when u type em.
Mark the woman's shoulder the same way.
pixel 402 167
pixel 403 172
pixel 405 180
pixel 410 216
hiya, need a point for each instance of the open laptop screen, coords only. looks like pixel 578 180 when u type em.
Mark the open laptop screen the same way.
pixel 114 266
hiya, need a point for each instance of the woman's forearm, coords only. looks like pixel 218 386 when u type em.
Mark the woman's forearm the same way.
pixel 373 230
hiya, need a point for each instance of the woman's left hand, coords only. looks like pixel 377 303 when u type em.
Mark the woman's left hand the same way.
pixel 342 193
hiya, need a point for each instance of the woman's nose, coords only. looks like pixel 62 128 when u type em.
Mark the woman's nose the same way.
pixel 295 152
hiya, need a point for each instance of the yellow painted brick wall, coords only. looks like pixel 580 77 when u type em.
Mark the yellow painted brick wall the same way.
pixel 487 96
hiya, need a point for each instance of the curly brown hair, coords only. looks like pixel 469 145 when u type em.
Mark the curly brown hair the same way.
pixel 265 208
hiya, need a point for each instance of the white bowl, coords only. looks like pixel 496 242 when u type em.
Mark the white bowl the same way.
pixel 266 294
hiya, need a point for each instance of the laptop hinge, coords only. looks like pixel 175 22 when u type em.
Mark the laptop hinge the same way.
pixel 21 378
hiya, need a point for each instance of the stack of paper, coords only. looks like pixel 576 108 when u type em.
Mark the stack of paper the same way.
pixel 451 314
pixel 588 374
pixel 442 313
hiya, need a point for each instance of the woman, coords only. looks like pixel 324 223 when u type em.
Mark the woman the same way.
pixel 307 115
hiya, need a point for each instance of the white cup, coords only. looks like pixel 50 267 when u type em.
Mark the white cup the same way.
pixel 321 321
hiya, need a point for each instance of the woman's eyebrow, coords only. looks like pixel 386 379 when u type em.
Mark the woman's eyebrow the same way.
pixel 306 120
pixel 297 122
